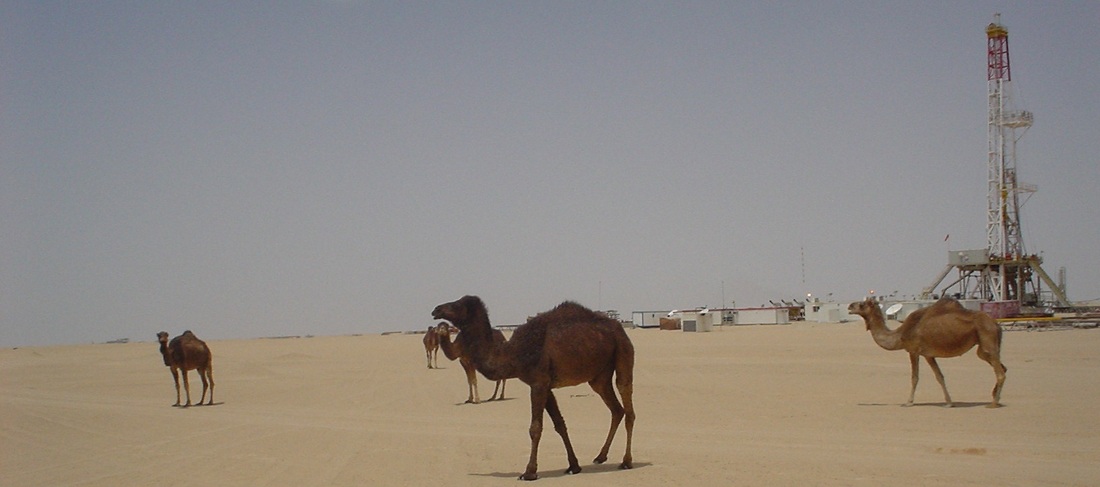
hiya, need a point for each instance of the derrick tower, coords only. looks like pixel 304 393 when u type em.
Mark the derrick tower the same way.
pixel 1003 271
pixel 1003 236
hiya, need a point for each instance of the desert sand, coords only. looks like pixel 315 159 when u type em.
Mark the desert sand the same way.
pixel 801 404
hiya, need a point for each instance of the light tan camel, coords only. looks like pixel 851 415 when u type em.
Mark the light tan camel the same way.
pixel 454 350
pixel 566 346
pixel 669 323
pixel 431 346
pixel 187 352
pixel 945 329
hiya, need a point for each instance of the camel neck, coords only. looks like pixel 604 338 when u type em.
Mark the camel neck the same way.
pixel 479 347
pixel 449 349
pixel 164 353
pixel 883 336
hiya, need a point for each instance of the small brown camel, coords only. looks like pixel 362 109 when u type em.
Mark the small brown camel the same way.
pixel 454 350
pixel 945 329
pixel 187 352
pixel 566 346
pixel 431 346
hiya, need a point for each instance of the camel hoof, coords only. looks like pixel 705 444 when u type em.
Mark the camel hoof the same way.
pixel 992 405
pixel 949 405
pixel 907 405
pixel 600 459
pixel 529 476
pixel 573 470
pixel 626 466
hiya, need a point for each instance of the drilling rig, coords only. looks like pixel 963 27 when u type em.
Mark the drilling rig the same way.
pixel 1003 272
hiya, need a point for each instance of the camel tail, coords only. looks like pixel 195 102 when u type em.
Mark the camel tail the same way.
pixel 624 359
pixel 1000 333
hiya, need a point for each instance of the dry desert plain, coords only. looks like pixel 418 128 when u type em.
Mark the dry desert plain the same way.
pixel 801 404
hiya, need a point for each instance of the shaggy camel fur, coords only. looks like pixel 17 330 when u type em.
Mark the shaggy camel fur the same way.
pixel 187 352
pixel 431 346
pixel 454 350
pixel 945 329
pixel 566 346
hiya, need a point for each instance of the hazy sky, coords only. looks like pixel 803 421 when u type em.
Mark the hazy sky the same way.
pixel 250 169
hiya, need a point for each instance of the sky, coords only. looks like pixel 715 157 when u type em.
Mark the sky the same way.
pixel 250 169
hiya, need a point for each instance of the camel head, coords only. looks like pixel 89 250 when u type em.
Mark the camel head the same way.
pixel 442 329
pixel 866 309
pixel 467 310
pixel 162 337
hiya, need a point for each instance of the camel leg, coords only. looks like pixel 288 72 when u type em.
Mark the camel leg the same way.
pixel 602 386
pixel 205 384
pixel 186 387
pixel 471 382
pixel 913 364
pixel 559 426
pixel 998 369
pixel 210 375
pixel 625 381
pixel 499 385
pixel 176 378
pixel 939 378
pixel 538 405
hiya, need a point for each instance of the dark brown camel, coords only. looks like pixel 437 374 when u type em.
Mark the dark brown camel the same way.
pixel 566 346
pixel 187 352
pixel 431 346
pixel 945 329
pixel 454 350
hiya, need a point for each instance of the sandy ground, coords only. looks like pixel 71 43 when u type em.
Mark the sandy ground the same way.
pixel 805 404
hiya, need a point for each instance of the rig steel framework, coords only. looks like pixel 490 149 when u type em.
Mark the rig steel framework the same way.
pixel 1003 271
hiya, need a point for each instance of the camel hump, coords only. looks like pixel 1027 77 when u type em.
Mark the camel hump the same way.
pixel 569 312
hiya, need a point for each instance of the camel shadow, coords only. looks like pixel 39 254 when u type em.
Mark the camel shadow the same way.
pixel 464 403
pixel 559 472
pixel 955 405
pixel 198 405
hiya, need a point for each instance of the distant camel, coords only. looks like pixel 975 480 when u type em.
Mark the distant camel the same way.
pixel 187 352
pixel 566 346
pixel 454 350
pixel 431 346
pixel 945 329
